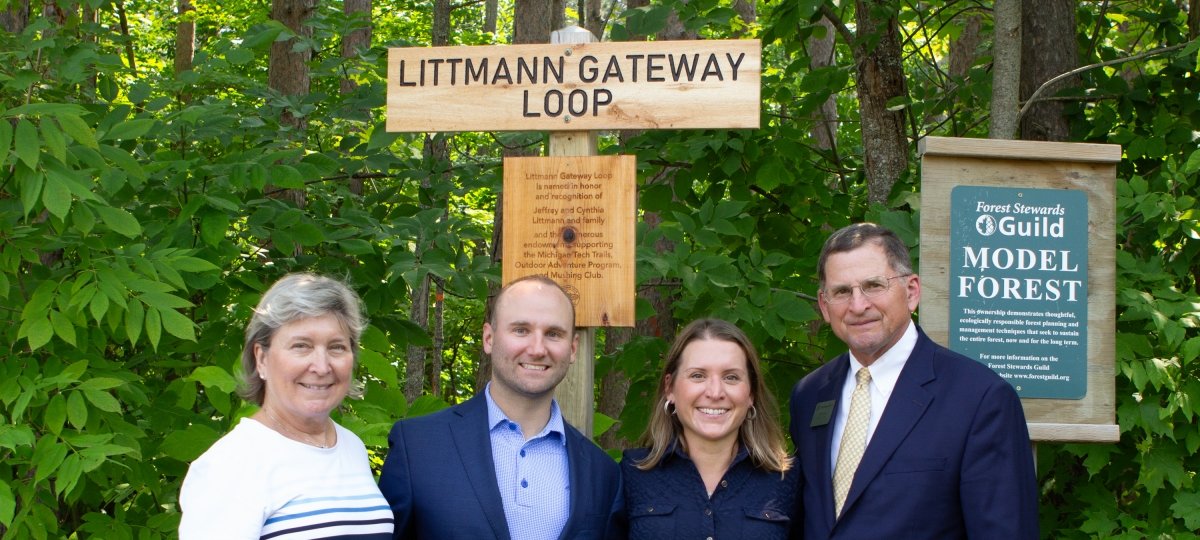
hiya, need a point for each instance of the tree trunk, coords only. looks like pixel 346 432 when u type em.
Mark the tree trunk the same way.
pixel 185 38
pixel 357 40
pixel 185 44
pixel 287 71
pixel 1006 70
pixel 437 155
pixel 533 20
pixel 491 11
pixel 747 10
pixel 439 339
pixel 1047 50
pixel 825 120
pixel 414 367
pixel 593 19
pixel 15 18
pixel 880 74
pixel 1193 19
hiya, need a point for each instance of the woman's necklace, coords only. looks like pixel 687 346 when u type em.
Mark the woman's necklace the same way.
pixel 302 437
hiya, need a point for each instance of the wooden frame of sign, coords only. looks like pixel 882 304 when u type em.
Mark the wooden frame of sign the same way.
pixel 1090 168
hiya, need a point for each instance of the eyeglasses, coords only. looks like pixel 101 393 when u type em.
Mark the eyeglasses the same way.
pixel 872 286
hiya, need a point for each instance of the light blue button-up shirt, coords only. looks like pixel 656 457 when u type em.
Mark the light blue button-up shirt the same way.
pixel 533 476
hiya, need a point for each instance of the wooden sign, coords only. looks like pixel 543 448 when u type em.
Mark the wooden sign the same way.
pixel 573 219
pixel 1018 267
pixel 575 86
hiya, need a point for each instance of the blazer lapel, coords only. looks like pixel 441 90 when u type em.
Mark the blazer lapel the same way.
pixel 474 444
pixel 905 407
pixel 830 390
pixel 575 473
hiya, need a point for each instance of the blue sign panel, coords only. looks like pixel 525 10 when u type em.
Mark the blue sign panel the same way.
pixel 1018 285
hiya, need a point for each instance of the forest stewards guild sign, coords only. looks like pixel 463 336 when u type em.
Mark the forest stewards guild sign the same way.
pixel 1018 285
pixel 575 87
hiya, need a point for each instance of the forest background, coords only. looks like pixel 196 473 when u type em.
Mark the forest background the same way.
pixel 162 162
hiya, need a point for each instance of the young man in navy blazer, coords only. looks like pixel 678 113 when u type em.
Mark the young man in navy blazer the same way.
pixel 504 464
pixel 947 451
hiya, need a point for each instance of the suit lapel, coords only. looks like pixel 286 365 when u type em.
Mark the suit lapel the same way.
pixel 830 390
pixel 576 474
pixel 905 408
pixel 471 435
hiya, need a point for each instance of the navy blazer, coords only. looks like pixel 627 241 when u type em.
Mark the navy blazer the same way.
pixel 440 480
pixel 950 457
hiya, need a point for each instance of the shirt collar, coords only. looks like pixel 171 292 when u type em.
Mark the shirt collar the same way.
pixel 497 418
pixel 886 369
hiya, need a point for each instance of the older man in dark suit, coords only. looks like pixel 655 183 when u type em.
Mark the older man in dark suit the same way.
pixel 505 464
pixel 901 437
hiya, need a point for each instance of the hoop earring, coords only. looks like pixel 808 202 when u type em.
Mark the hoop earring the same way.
pixel 752 414
pixel 667 408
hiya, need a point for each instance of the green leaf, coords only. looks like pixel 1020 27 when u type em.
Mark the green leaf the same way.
pixel 31 182
pixel 68 474
pixel 214 377
pixel 135 317
pixel 379 367
pixel 187 444
pixel 55 414
pixel 6 137
pixel 63 328
pixel 77 410
pixel 48 455
pixel 13 437
pixel 100 383
pixel 57 198
pixel 129 129
pixel 39 333
pixel 119 220
pixel 78 130
pixel 193 264
pixel 99 306
pixel 177 325
pixel 600 424
pixel 153 327
pixel 27 144
pixel 213 226
pixel 82 219
pixel 103 400
pixel 8 504
pixel 163 300
pixel 56 142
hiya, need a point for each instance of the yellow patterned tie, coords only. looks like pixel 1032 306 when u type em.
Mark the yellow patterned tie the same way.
pixel 854 439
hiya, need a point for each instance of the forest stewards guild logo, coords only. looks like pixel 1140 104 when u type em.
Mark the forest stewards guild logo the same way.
pixel 986 225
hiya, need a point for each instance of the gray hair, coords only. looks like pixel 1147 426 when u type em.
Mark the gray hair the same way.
pixel 294 297
pixel 852 237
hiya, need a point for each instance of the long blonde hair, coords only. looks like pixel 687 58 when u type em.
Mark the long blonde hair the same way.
pixel 759 433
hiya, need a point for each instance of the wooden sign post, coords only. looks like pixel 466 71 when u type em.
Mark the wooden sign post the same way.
pixel 1018 260
pixel 571 216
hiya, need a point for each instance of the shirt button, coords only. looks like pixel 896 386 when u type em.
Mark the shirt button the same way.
pixel 512 426
pixel 708 511
pixel 651 509
pixel 709 538
pixel 522 453
pixel 724 483
pixel 524 483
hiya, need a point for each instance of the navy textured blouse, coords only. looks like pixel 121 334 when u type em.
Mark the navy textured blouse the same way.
pixel 670 501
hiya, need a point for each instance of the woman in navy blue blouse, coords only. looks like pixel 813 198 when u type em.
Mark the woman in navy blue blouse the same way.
pixel 715 466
